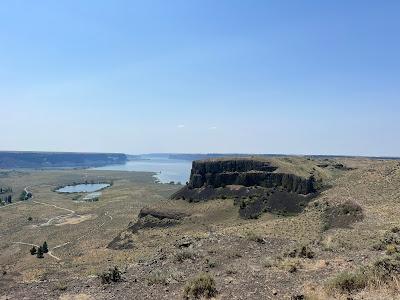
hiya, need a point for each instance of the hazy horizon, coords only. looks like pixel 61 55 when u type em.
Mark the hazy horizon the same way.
pixel 201 77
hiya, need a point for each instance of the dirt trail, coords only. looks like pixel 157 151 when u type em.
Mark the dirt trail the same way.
pixel 28 244
pixel 48 222
pixel 34 245
pixel 12 204
pixel 55 206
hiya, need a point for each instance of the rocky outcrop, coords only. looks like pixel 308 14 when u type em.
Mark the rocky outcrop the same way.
pixel 161 214
pixel 147 218
pixel 246 172
pixel 256 185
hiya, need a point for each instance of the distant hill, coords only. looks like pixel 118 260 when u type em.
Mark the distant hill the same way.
pixel 199 156
pixel 16 159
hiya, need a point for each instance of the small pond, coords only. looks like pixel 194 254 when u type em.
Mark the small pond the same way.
pixel 83 188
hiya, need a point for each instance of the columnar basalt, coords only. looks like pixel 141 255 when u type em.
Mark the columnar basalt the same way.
pixel 246 172
pixel 256 185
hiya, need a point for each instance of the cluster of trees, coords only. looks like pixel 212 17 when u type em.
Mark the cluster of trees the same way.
pixel 5 200
pixel 4 190
pixel 25 195
pixel 40 251
pixel 6 197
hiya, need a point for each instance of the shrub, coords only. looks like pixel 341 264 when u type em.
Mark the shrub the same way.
pixel 391 237
pixel 183 255
pixel 269 262
pixel 290 265
pixel 252 236
pixel 231 271
pixel 387 267
pixel 302 252
pixel 342 215
pixel 395 229
pixel 201 286
pixel 383 270
pixel 391 249
pixel 112 275
pixel 211 263
pixel 61 286
pixel 33 250
pixel 348 282
pixel 157 277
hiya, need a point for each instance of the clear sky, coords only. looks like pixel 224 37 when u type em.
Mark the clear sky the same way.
pixel 294 77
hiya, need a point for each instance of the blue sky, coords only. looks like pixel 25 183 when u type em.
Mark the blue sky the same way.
pixel 295 77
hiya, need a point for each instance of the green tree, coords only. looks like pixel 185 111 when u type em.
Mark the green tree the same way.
pixel 22 197
pixel 45 247
pixel 39 253
pixel 33 250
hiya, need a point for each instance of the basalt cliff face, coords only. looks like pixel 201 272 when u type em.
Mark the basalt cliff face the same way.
pixel 256 185
pixel 246 172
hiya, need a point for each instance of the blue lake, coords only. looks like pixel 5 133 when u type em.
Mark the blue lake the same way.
pixel 83 188
pixel 167 169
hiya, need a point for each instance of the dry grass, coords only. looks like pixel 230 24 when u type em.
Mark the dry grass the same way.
pixel 383 272
pixel 87 235
pixel 158 277
pixel 201 286
pixel 185 254
pixel 244 264
pixel 290 265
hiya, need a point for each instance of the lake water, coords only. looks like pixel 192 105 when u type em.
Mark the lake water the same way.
pixel 167 169
pixel 83 188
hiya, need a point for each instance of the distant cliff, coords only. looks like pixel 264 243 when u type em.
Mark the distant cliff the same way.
pixel 11 160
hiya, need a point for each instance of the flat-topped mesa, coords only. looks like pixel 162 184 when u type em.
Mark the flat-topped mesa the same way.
pixel 256 184
pixel 246 172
